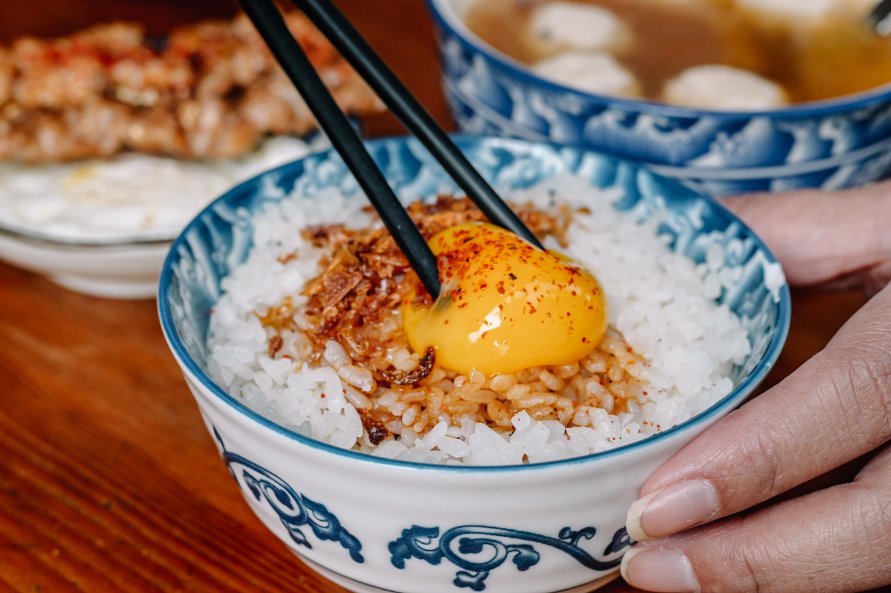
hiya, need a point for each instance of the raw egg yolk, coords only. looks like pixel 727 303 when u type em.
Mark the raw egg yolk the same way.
pixel 505 305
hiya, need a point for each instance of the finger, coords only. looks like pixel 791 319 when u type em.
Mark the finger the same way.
pixel 834 541
pixel 822 236
pixel 835 408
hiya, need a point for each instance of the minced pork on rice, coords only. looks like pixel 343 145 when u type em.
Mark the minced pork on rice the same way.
pixel 666 356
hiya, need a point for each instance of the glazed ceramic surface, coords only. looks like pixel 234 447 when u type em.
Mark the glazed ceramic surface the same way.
pixel 383 525
pixel 834 144
pixel 117 262
pixel 122 270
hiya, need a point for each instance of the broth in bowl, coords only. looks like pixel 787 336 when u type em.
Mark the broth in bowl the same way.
pixel 769 54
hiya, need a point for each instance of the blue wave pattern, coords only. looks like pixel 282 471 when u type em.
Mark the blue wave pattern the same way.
pixel 294 510
pixel 851 148
pixel 477 550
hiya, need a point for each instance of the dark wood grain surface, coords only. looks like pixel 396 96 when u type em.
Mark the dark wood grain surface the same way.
pixel 109 481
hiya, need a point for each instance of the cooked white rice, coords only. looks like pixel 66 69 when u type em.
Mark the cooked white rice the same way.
pixel 661 302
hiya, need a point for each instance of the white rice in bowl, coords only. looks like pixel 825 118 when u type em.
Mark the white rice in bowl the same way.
pixel 668 354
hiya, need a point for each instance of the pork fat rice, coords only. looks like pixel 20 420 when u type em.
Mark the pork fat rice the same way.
pixel 309 334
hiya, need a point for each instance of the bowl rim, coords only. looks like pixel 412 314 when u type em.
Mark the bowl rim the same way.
pixel 45 240
pixel 444 15
pixel 190 367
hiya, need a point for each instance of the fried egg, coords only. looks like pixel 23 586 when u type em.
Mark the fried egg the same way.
pixel 127 197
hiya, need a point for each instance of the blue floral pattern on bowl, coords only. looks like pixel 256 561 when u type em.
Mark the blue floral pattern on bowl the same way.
pixel 477 550
pixel 294 510
pixel 836 144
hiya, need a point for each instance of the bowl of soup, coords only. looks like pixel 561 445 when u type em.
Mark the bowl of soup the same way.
pixel 495 439
pixel 728 96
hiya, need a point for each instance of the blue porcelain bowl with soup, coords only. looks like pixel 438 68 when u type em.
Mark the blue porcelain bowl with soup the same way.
pixel 375 524
pixel 829 144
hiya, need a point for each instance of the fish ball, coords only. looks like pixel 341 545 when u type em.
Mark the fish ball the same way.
pixel 791 10
pixel 592 72
pixel 723 88
pixel 572 25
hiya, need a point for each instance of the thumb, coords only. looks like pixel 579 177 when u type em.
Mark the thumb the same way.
pixel 836 540
pixel 834 409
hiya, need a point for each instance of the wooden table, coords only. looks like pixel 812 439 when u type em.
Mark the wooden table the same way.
pixel 109 481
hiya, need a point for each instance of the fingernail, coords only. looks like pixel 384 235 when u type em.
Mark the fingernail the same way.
pixel 660 570
pixel 671 509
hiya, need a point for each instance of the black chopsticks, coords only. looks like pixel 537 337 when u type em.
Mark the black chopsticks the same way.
pixel 269 22
pixel 271 25
pixel 334 25
pixel 878 17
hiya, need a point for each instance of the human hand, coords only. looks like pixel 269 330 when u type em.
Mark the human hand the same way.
pixel 695 521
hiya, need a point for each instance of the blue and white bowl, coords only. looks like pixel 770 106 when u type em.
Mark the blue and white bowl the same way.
pixel 844 142
pixel 381 525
